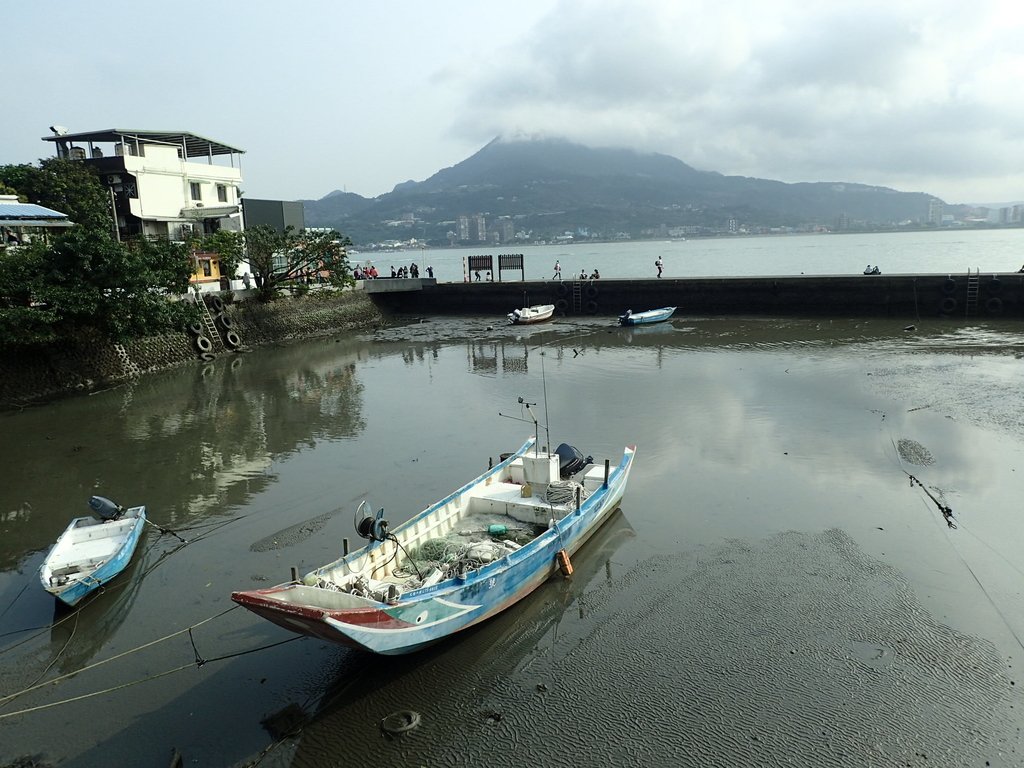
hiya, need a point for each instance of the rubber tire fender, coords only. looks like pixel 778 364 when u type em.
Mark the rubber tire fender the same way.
pixel 196 329
pixel 592 307
pixel 203 344
pixel 225 321
pixel 994 306
pixel 217 303
pixel 233 340
pixel 948 305
pixel 591 291
pixel 949 286
pixel 563 290
pixel 561 305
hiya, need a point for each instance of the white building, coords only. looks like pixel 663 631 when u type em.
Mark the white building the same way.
pixel 163 184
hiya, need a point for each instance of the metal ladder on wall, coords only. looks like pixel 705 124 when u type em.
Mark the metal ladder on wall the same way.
pixel 577 296
pixel 971 305
pixel 212 333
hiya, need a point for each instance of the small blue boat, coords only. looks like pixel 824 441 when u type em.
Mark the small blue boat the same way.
pixel 460 561
pixel 92 550
pixel 644 318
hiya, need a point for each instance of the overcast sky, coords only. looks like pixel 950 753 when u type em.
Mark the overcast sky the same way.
pixel 918 95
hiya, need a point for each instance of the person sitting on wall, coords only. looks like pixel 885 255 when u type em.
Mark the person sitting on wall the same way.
pixel 867 270
pixel 596 275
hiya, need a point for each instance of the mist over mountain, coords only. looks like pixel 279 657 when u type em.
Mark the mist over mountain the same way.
pixel 543 188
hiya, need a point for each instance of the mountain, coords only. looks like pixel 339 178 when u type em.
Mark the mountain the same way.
pixel 546 187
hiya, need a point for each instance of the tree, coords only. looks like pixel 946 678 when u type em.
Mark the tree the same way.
pixel 283 259
pixel 68 186
pixel 84 279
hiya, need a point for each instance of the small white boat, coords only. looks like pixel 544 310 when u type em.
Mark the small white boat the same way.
pixel 645 318
pixel 92 550
pixel 535 314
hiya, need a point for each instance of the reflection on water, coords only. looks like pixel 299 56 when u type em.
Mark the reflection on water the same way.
pixel 746 428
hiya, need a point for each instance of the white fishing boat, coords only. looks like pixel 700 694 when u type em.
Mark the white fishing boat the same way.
pixel 538 313
pixel 460 561
pixel 92 550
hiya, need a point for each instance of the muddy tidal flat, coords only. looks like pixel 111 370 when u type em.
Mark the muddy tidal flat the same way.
pixel 816 562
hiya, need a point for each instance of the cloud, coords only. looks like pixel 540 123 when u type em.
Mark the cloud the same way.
pixel 888 93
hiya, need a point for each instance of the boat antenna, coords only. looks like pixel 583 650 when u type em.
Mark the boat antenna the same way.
pixel 536 428
pixel 544 385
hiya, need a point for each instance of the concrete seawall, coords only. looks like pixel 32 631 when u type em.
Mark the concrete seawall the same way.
pixel 906 296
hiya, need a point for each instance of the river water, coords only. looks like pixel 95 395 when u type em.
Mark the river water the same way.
pixel 941 251
pixel 776 589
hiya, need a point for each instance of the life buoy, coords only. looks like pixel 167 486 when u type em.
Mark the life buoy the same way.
pixel 217 303
pixel 994 306
pixel 948 305
pixel 225 321
pixel 949 286
pixel 591 291
pixel 563 289
pixel 196 329
pixel 561 305
pixel 203 344
pixel 232 339
pixel 592 307
pixel 994 285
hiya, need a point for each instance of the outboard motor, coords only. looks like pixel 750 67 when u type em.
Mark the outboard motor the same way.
pixel 570 460
pixel 372 528
pixel 104 509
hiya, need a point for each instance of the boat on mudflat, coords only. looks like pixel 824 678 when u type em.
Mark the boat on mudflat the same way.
pixel 92 550
pixel 645 318
pixel 538 313
pixel 463 559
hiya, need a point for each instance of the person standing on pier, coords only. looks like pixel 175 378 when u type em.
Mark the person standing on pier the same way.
pixel 659 264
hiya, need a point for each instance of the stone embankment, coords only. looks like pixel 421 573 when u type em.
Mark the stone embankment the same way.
pixel 90 364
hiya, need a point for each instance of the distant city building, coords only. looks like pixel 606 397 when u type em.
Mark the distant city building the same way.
pixel 935 210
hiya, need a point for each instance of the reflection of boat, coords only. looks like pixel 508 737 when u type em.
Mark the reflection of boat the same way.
pixel 645 318
pixel 485 658
pixel 538 313
pixel 460 561
pixel 92 550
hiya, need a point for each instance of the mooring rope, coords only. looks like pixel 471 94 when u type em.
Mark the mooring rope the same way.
pixel 54 681
pixel 198 662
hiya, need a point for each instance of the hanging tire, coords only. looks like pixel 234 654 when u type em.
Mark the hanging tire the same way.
pixel 217 303
pixel 592 307
pixel 591 291
pixel 948 305
pixel 196 329
pixel 563 289
pixel 994 285
pixel 207 356
pixel 232 340
pixel 949 286
pixel 561 305
pixel 225 321
pixel 203 344
pixel 994 306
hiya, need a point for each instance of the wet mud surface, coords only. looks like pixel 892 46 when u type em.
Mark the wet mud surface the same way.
pixel 782 586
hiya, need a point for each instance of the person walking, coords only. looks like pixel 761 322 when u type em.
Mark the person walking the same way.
pixel 659 264
pixel 558 271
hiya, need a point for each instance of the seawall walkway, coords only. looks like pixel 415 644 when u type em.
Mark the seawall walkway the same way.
pixel 905 296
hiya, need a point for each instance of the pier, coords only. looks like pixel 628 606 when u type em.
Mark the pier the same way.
pixel 911 296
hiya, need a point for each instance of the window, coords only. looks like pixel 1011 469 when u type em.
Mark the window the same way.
pixel 207 267
pixel 195 191
pixel 222 193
